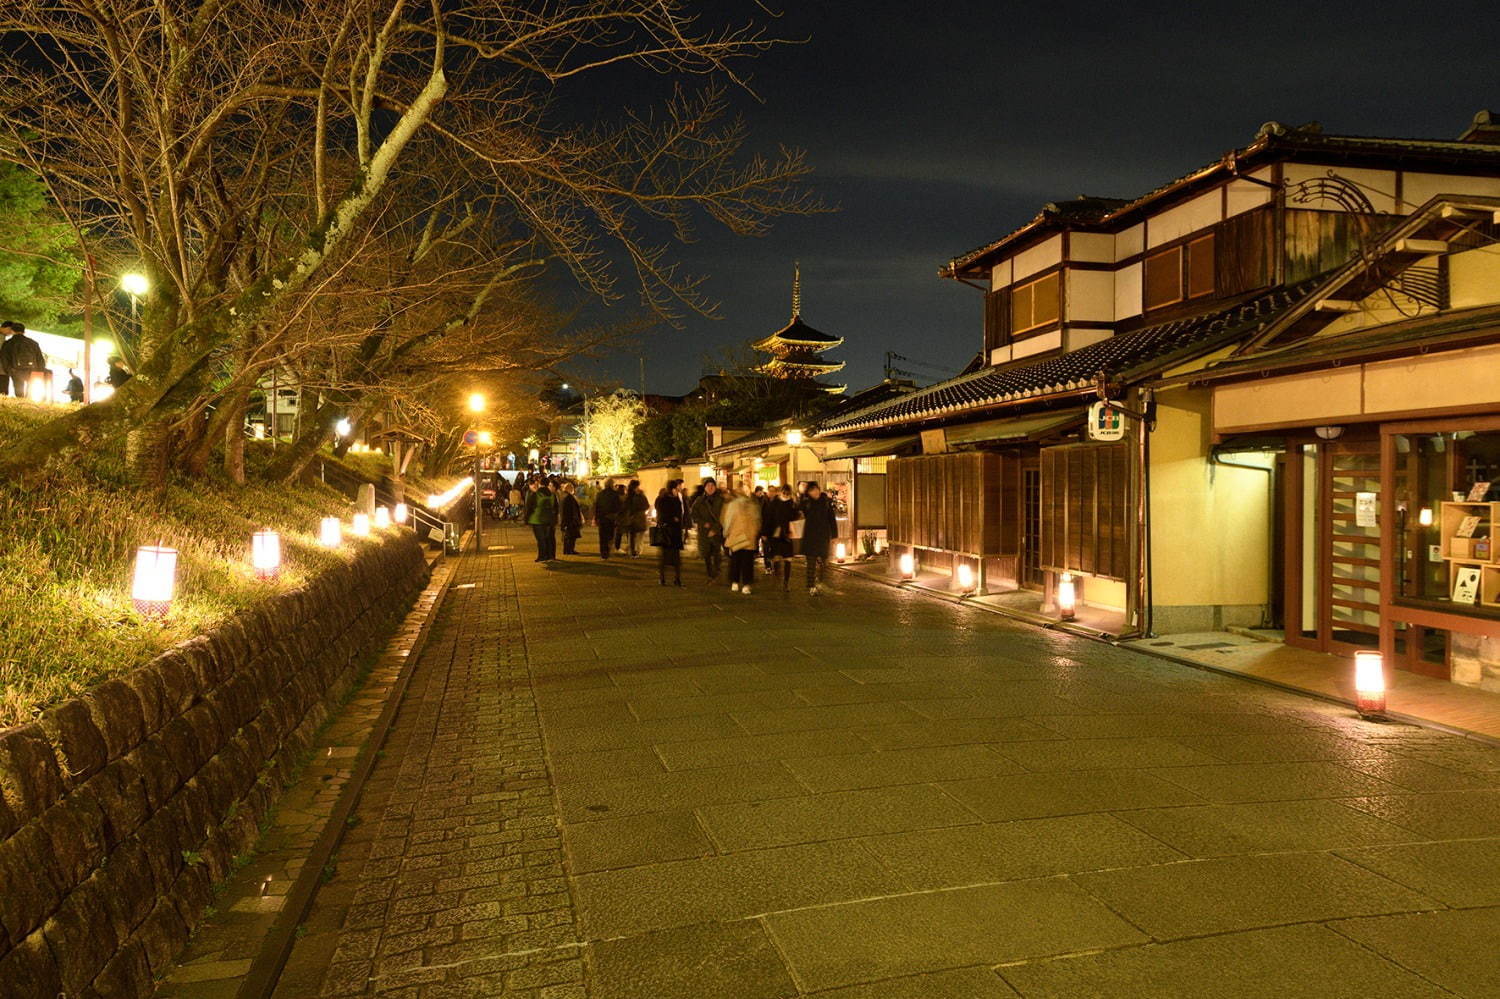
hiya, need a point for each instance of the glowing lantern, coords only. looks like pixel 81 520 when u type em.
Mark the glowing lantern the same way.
pixel 258 431
pixel 1067 597
pixel 908 565
pixel 794 438
pixel 382 517
pixel 1424 516
pixel 399 514
pixel 36 387
pixel 1369 684
pixel 265 554
pixel 155 580
pixel 343 427
pixel 963 574
pixel 879 545
pixel 360 525
pixel 331 533
pixel 840 551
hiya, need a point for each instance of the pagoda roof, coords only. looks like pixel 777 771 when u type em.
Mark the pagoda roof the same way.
pixel 799 333
pixel 820 367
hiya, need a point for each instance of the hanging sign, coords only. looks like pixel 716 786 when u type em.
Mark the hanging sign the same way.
pixel 471 437
pixel 1106 423
pixel 934 441
pixel 1465 584
pixel 1365 507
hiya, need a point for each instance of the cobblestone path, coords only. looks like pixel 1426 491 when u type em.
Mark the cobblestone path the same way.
pixel 601 787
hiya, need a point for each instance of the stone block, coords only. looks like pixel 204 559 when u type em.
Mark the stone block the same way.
pixel 158 771
pixel 76 741
pixel 161 935
pixel 117 713
pixel 208 733
pixel 128 887
pixel 147 684
pixel 128 973
pixel 82 935
pixel 29 777
pixel 74 828
pixel 179 682
pixel 32 885
pixel 30 970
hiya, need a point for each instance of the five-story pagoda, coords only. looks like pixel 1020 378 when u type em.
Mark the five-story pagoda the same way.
pixel 796 349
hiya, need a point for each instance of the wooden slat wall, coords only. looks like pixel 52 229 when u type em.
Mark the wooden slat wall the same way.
pixel 1243 252
pixel 1086 509
pixel 954 502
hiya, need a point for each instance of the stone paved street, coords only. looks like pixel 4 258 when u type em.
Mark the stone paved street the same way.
pixel 599 787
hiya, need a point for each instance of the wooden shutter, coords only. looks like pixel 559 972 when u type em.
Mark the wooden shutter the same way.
pixel 1086 513
pixel 996 319
pixel 1243 252
pixel 1200 266
pixel 1163 279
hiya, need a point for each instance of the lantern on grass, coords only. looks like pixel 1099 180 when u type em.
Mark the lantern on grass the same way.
pixel 359 526
pixel 382 516
pixel 840 551
pixel 399 515
pixel 963 574
pixel 331 533
pixel 908 563
pixel 1369 684
pixel 155 580
pixel 265 554
pixel 1067 597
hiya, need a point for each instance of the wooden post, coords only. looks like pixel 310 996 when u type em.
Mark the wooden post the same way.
pixel 88 328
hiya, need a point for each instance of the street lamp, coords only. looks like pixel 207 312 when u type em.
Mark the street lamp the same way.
pixel 793 442
pixel 477 403
pixel 343 427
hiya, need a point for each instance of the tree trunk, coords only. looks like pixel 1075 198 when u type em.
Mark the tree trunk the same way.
pixel 291 461
pixel 234 406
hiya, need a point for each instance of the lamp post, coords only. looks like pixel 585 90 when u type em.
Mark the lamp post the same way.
pixel 793 442
pixel 476 406
pixel 136 285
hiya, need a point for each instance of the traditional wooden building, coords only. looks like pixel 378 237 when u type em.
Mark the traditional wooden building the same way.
pixel 1164 528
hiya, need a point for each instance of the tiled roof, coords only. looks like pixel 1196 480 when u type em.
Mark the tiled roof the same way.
pixel 1273 137
pixel 799 332
pixel 1147 350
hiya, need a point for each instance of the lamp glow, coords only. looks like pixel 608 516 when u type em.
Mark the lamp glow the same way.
pixel 1369 684
pixel 1424 516
pixel 359 525
pixel 382 516
pixel 331 532
pixel 258 431
pixel 964 576
pixel 134 284
pixel 154 581
pixel 908 563
pixel 705 471
pixel 36 387
pixel 343 427
pixel 265 554
pixel 1067 597
pixel 794 438
pixel 486 439
pixel 476 402
pixel 399 514
pixel 840 551
pixel 879 545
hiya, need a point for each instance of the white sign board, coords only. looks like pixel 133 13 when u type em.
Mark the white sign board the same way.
pixel 1106 423
pixel 1366 506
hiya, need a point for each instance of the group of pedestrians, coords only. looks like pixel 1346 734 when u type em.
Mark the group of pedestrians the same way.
pixel 776 526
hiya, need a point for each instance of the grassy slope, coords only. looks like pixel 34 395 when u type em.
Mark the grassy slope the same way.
pixel 66 551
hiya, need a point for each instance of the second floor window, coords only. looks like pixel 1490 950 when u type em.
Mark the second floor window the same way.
pixel 1181 273
pixel 1036 304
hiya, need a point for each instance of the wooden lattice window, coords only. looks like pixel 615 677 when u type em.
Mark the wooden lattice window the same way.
pixel 1036 304
pixel 1086 509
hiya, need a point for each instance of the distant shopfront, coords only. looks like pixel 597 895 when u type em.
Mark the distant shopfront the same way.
pixel 1390 487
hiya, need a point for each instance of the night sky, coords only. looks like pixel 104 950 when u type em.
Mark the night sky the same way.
pixel 937 128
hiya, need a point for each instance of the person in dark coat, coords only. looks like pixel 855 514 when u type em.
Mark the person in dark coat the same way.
pixel 669 524
pixel 707 511
pixel 541 515
pixel 776 528
pixel 21 358
pixel 607 509
pixel 75 386
pixel 572 519
pixel 634 505
pixel 818 532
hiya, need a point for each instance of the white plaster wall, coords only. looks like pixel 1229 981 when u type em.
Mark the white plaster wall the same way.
pixel 1036 344
pixel 1038 258
pixel 1474 277
pixel 1190 216
pixel 1129 242
pixel 1090 296
pixel 1000 275
pixel 1378 185
pixel 1243 195
pixel 1128 292
pixel 1419 188
pixel 1094 247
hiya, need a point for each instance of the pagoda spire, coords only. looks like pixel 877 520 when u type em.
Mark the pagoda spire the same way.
pixel 796 290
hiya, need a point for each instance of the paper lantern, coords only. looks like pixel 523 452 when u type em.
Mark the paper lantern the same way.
pixel 382 516
pixel 1424 516
pixel 265 554
pixel 331 533
pixel 1067 597
pixel 1369 684
pixel 840 551
pixel 399 514
pixel 155 580
pixel 258 431
pixel 908 565
pixel 963 574
pixel 359 526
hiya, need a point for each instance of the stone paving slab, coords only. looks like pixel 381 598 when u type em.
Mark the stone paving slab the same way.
pixel 605 789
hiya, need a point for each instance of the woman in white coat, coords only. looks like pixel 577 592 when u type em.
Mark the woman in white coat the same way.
pixel 741 520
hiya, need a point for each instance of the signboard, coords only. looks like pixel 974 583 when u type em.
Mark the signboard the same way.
pixel 471 437
pixel 1465 584
pixel 934 441
pixel 1106 423
pixel 1365 507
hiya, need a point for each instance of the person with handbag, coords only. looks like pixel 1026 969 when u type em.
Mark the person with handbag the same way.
pixel 708 512
pixel 667 533
pixel 820 528
pixel 741 531
pixel 776 526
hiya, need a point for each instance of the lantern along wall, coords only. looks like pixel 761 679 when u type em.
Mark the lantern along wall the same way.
pixel 119 810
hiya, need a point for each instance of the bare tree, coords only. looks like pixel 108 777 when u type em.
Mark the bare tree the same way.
pixel 238 150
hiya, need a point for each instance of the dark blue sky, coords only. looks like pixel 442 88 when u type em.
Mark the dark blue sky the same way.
pixel 936 128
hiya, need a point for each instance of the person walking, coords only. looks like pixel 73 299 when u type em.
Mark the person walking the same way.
pixel 761 498
pixel 708 513
pixel 572 519
pixel 75 386
pixel 541 514
pixel 607 509
pixel 21 358
pixel 513 511
pixel 819 530
pixel 776 527
pixel 635 506
pixel 741 532
pixel 669 527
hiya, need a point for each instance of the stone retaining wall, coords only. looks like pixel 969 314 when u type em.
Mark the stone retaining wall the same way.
pixel 121 809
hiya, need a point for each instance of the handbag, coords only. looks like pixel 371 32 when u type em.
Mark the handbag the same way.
pixel 794 529
pixel 656 538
